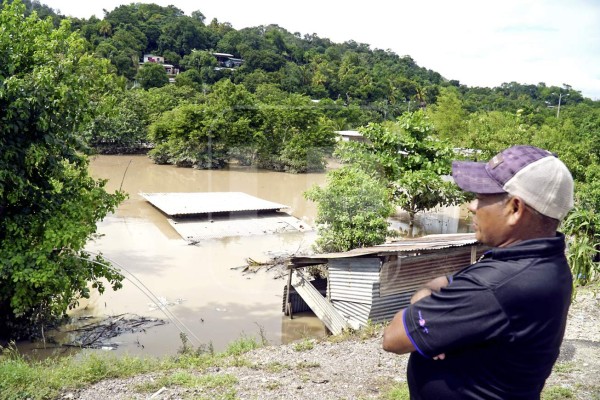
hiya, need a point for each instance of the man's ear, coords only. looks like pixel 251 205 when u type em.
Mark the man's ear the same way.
pixel 515 210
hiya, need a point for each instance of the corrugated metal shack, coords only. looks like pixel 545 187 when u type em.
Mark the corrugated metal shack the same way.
pixel 374 283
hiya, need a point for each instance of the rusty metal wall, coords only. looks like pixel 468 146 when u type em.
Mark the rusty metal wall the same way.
pixel 375 288
pixel 408 273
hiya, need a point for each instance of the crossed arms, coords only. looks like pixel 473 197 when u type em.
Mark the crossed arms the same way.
pixel 395 339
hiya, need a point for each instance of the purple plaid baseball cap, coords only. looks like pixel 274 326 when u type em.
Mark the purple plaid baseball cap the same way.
pixel 535 175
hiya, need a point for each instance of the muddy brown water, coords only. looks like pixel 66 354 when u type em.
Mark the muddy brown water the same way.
pixel 195 282
pixel 200 285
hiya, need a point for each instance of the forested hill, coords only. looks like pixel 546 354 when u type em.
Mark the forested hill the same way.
pixel 298 63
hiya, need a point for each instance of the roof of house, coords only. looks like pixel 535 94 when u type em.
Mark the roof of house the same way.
pixel 425 243
pixel 181 204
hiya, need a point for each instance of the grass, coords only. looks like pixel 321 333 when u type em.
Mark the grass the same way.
pixel 304 345
pixel 564 368
pixel 398 391
pixel 23 379
pixel 557 393
pixel 37 380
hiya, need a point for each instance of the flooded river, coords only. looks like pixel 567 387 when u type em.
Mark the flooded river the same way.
pixel 196 282
pixel 199 284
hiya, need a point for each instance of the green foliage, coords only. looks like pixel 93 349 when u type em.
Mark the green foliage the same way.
pixel 352 211
pixel 203 63
pixel 152 75
pixel 184 139
pixel 49 205
pixel 293 136
pixel 448 115
pixel 242 345
pixel 582 228
pixel 491 132
pixel 406 159
pixel 271 129
pixel 21 379
pixel 117 125
pixel 422 190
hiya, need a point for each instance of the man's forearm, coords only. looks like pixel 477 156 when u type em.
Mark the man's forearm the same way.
pixel 433 285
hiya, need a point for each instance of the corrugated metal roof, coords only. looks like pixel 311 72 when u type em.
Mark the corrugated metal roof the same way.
pixel 179 204
pixel 425 243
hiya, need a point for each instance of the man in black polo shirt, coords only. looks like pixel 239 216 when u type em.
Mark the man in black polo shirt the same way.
pixel 494 329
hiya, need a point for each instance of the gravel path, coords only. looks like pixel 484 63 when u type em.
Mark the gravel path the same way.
pixel 357 369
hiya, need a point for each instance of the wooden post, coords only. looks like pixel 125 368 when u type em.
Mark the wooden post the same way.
pixel 288 306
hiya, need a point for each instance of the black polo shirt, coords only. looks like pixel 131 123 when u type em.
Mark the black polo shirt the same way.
pixel 500 323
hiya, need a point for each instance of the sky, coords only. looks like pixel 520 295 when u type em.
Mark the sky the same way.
pixel 477 42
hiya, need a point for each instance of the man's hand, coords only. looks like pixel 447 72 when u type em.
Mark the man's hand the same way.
pixel 395 339
pixel 433 285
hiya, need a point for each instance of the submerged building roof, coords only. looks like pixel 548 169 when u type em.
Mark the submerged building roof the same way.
pixel 186 204
pixel 208 215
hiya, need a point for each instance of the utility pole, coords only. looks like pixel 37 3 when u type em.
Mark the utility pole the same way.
pixel 558 108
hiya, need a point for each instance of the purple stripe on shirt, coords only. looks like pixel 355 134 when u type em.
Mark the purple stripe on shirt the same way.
pixel 410 337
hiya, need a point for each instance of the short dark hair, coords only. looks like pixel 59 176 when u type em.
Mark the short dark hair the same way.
pixel 543 223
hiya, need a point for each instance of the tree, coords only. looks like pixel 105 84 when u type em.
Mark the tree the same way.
pixel 49 205
pixel 117 126
pixel 294 135
pixel 152 75
pixel 448 115
pixel 204 63
pixel 352 211
pixel 204 135
pixel 405 158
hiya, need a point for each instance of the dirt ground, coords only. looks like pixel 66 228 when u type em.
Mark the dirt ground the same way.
pixel 359 368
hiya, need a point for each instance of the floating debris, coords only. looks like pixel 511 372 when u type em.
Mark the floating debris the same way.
pixel 98 335
pixel 164 303
pixel 278 263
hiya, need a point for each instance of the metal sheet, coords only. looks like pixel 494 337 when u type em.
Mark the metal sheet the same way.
pixel 373 284
pixel 352 279
pixel 322 308
pixel 197 230
pixel 428 243
pixel 407 274
pixel 181 204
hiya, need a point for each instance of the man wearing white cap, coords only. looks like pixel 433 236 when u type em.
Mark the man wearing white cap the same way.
pixel 494 329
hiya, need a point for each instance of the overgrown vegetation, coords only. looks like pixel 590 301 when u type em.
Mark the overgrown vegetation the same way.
pixel 49 205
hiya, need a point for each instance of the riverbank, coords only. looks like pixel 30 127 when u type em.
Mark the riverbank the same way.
pixel 347 368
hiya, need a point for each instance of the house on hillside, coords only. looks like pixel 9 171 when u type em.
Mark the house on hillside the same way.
pixel 228 61
pixel 350 136
pixel 170 69
pixel 374 283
